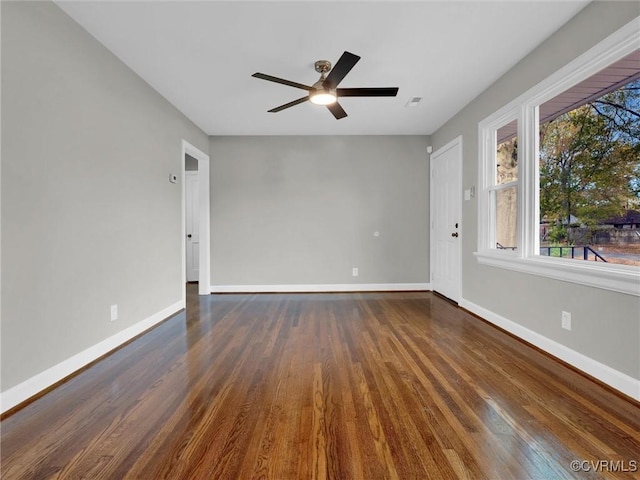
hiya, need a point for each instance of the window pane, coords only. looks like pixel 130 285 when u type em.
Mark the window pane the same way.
pixel 507 153
pixel 506 211
pixel 590 173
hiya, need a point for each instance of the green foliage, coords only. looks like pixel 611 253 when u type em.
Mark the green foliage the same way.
pixel 590 159
pixel 557 234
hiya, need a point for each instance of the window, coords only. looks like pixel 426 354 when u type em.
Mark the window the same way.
pixel 590 168
pixel 559 183
pixel 504 191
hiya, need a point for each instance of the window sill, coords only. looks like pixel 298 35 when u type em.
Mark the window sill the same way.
pixel 617 278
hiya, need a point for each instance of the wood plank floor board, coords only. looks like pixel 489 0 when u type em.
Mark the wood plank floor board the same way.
pixel 367 386
pixel 499 421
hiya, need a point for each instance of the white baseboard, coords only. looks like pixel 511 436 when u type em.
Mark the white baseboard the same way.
pixel 620 381
pixel 300 288
pixel 43 380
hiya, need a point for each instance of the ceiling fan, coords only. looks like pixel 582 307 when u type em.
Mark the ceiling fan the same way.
pixel 325 91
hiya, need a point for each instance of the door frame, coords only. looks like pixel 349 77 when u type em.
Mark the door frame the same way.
pixel 457 144
pixel 204 277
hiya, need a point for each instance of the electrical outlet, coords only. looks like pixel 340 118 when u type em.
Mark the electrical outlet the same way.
pixel 114 312
pixel 566 320
pixel 354 271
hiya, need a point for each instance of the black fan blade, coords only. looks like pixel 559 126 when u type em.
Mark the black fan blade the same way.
pixel 367 92
pixel 337 110
pixel 339 71
pixel 290 104
pixel 281 80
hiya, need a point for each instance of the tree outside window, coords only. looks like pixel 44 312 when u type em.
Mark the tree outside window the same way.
pixel 590 176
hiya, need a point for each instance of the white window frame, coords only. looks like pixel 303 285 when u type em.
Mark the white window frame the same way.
pixel 489 144
pixel 524 109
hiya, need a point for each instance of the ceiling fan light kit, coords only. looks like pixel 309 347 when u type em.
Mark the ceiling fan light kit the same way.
pixel 323 97
pixel 325 91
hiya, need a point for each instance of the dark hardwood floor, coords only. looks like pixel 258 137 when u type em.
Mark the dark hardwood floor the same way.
pixel 342 386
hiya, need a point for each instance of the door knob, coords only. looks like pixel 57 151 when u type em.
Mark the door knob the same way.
pixel 189 236
pixel 454 234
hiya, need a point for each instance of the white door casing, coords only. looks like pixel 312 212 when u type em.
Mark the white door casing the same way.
pixel 192 226
pixel 446 227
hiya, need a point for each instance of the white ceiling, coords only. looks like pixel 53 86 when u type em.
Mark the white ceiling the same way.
pixel 200 56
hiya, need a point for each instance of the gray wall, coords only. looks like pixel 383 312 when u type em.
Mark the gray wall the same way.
pixel 606 325
pixel 89 218
pixel 303 210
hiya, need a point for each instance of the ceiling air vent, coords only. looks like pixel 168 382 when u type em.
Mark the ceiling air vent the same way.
pixel 413 102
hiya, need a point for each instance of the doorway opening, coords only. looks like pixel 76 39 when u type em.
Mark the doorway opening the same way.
pixel 192 219
pixel 195 171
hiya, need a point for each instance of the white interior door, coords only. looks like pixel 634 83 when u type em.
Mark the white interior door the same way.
pixel 192 224
pixel 446 193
